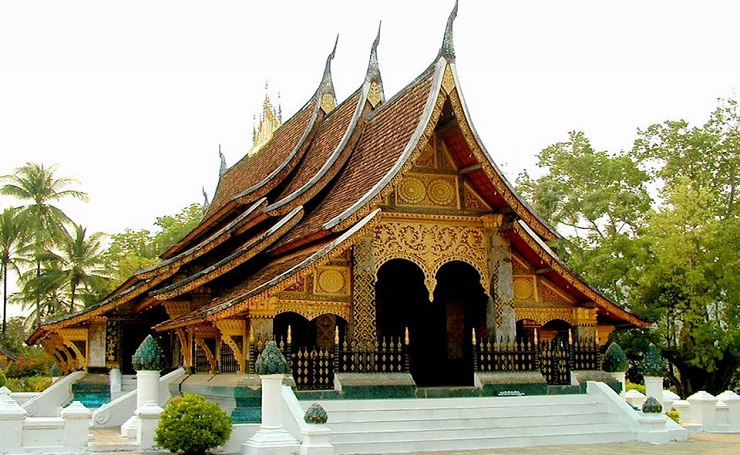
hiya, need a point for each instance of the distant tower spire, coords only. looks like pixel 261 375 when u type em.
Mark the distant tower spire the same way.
pixel 270 120
pixel 448 48
pixel 222 170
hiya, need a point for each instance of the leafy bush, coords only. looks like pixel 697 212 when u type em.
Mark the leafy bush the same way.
pixel 193 425
pixel 632 386
pixel 3 379
pixel 615 359
pixel 674 415
pixel 28 384
pixel 34 364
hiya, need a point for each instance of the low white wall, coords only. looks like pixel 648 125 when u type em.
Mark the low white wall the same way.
pixel 23 397
pixel 48 403
pixel 118 411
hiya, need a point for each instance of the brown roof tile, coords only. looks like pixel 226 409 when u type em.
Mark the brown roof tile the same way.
pixel 253 170
pixel 383 140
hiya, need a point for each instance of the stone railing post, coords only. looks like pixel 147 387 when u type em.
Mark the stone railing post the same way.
pixel 703 409
pixel 668 399
pixel 116 379
pixel 76 425
pixel 11 422
pixel 148 420
pixel 272 438
pixel 732 400
pixel 654 387
pixel 635 398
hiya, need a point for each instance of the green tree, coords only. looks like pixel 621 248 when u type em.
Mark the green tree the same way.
pixel 13 251
pixel 669 253
pixel 74 268
pixel 131 250
pixel 600 201
pixel 40 188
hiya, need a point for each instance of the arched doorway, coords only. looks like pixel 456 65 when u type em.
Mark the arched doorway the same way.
pixel 459 307
pixel 401 302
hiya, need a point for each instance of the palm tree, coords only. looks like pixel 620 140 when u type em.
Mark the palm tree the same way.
pixel 13 251
pixel 45 222
pixel 74 269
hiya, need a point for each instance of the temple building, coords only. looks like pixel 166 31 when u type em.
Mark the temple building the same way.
pixel 366 235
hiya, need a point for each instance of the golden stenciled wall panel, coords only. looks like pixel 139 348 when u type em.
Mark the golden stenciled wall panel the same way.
pixel 428 190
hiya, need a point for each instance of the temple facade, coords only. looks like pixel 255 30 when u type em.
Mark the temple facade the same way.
pixel 367 235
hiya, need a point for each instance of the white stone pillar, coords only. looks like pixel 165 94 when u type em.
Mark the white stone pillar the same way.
pixel 703 409
pixel 76 425
pixel 272 438
pixel 732 400
pixel 654 387
pixel 147 387
pixel 12 417
pixel 148 420
pixel 115 378
pixel 668 399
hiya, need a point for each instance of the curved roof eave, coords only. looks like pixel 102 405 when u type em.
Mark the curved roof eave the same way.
pixel 332 160
pixel 236 304
pixel 240 256
pixel 535 242
pixel 542 228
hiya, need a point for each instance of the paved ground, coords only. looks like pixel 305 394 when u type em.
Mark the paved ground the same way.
pixel 698 444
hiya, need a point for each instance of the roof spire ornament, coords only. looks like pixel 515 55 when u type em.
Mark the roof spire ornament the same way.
pixel 375 91
pixel 448 48
pixel 222 170
pixel 206 204
pixel 326 89
pixel 270 120
pixel 373 69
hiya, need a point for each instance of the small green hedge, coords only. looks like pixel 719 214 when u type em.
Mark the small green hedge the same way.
pixel 193 425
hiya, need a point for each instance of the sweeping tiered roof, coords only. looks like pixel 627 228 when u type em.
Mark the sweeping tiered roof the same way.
pixel 321 182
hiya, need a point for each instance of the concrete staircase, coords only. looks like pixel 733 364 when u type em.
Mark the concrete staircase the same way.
pixel 412 425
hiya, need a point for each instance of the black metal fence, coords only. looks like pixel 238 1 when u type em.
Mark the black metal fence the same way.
pixel 313 367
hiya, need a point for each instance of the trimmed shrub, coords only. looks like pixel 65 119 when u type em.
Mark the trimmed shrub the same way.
pixel 193 425
pixel 632 386
pixel 615 360
pixel 674 415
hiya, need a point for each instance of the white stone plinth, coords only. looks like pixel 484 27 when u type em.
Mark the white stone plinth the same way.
pixel 635 398
pixel 619 376
pixel 732 400
pixel 702 410
pixel 316 441
pixel 272 438
pixel 668 399
pixel 147 387
pixel 12 417
pixel 148 420
pixel 76 425
pixel 115 379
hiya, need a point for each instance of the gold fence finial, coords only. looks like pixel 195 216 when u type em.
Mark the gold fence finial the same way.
pixel 289 339
pixel 406 337
pixel 474 340
pixel 336 335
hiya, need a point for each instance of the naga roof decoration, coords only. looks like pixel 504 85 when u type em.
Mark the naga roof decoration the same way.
pixel 317 186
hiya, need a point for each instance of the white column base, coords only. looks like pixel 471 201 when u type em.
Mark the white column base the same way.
pixel 271 442
pixel 130 428
pixel 316 441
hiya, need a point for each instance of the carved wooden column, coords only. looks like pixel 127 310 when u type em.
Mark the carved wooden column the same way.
pixel 584 321
pixel 500 317
pixel 364 330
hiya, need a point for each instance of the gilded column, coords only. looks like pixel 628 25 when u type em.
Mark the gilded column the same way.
pixel 364 330
pixel 585 323
pixel 500 318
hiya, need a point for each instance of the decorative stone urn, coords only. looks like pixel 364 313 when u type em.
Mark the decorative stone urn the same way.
pixel 148 361
pixel 272 438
